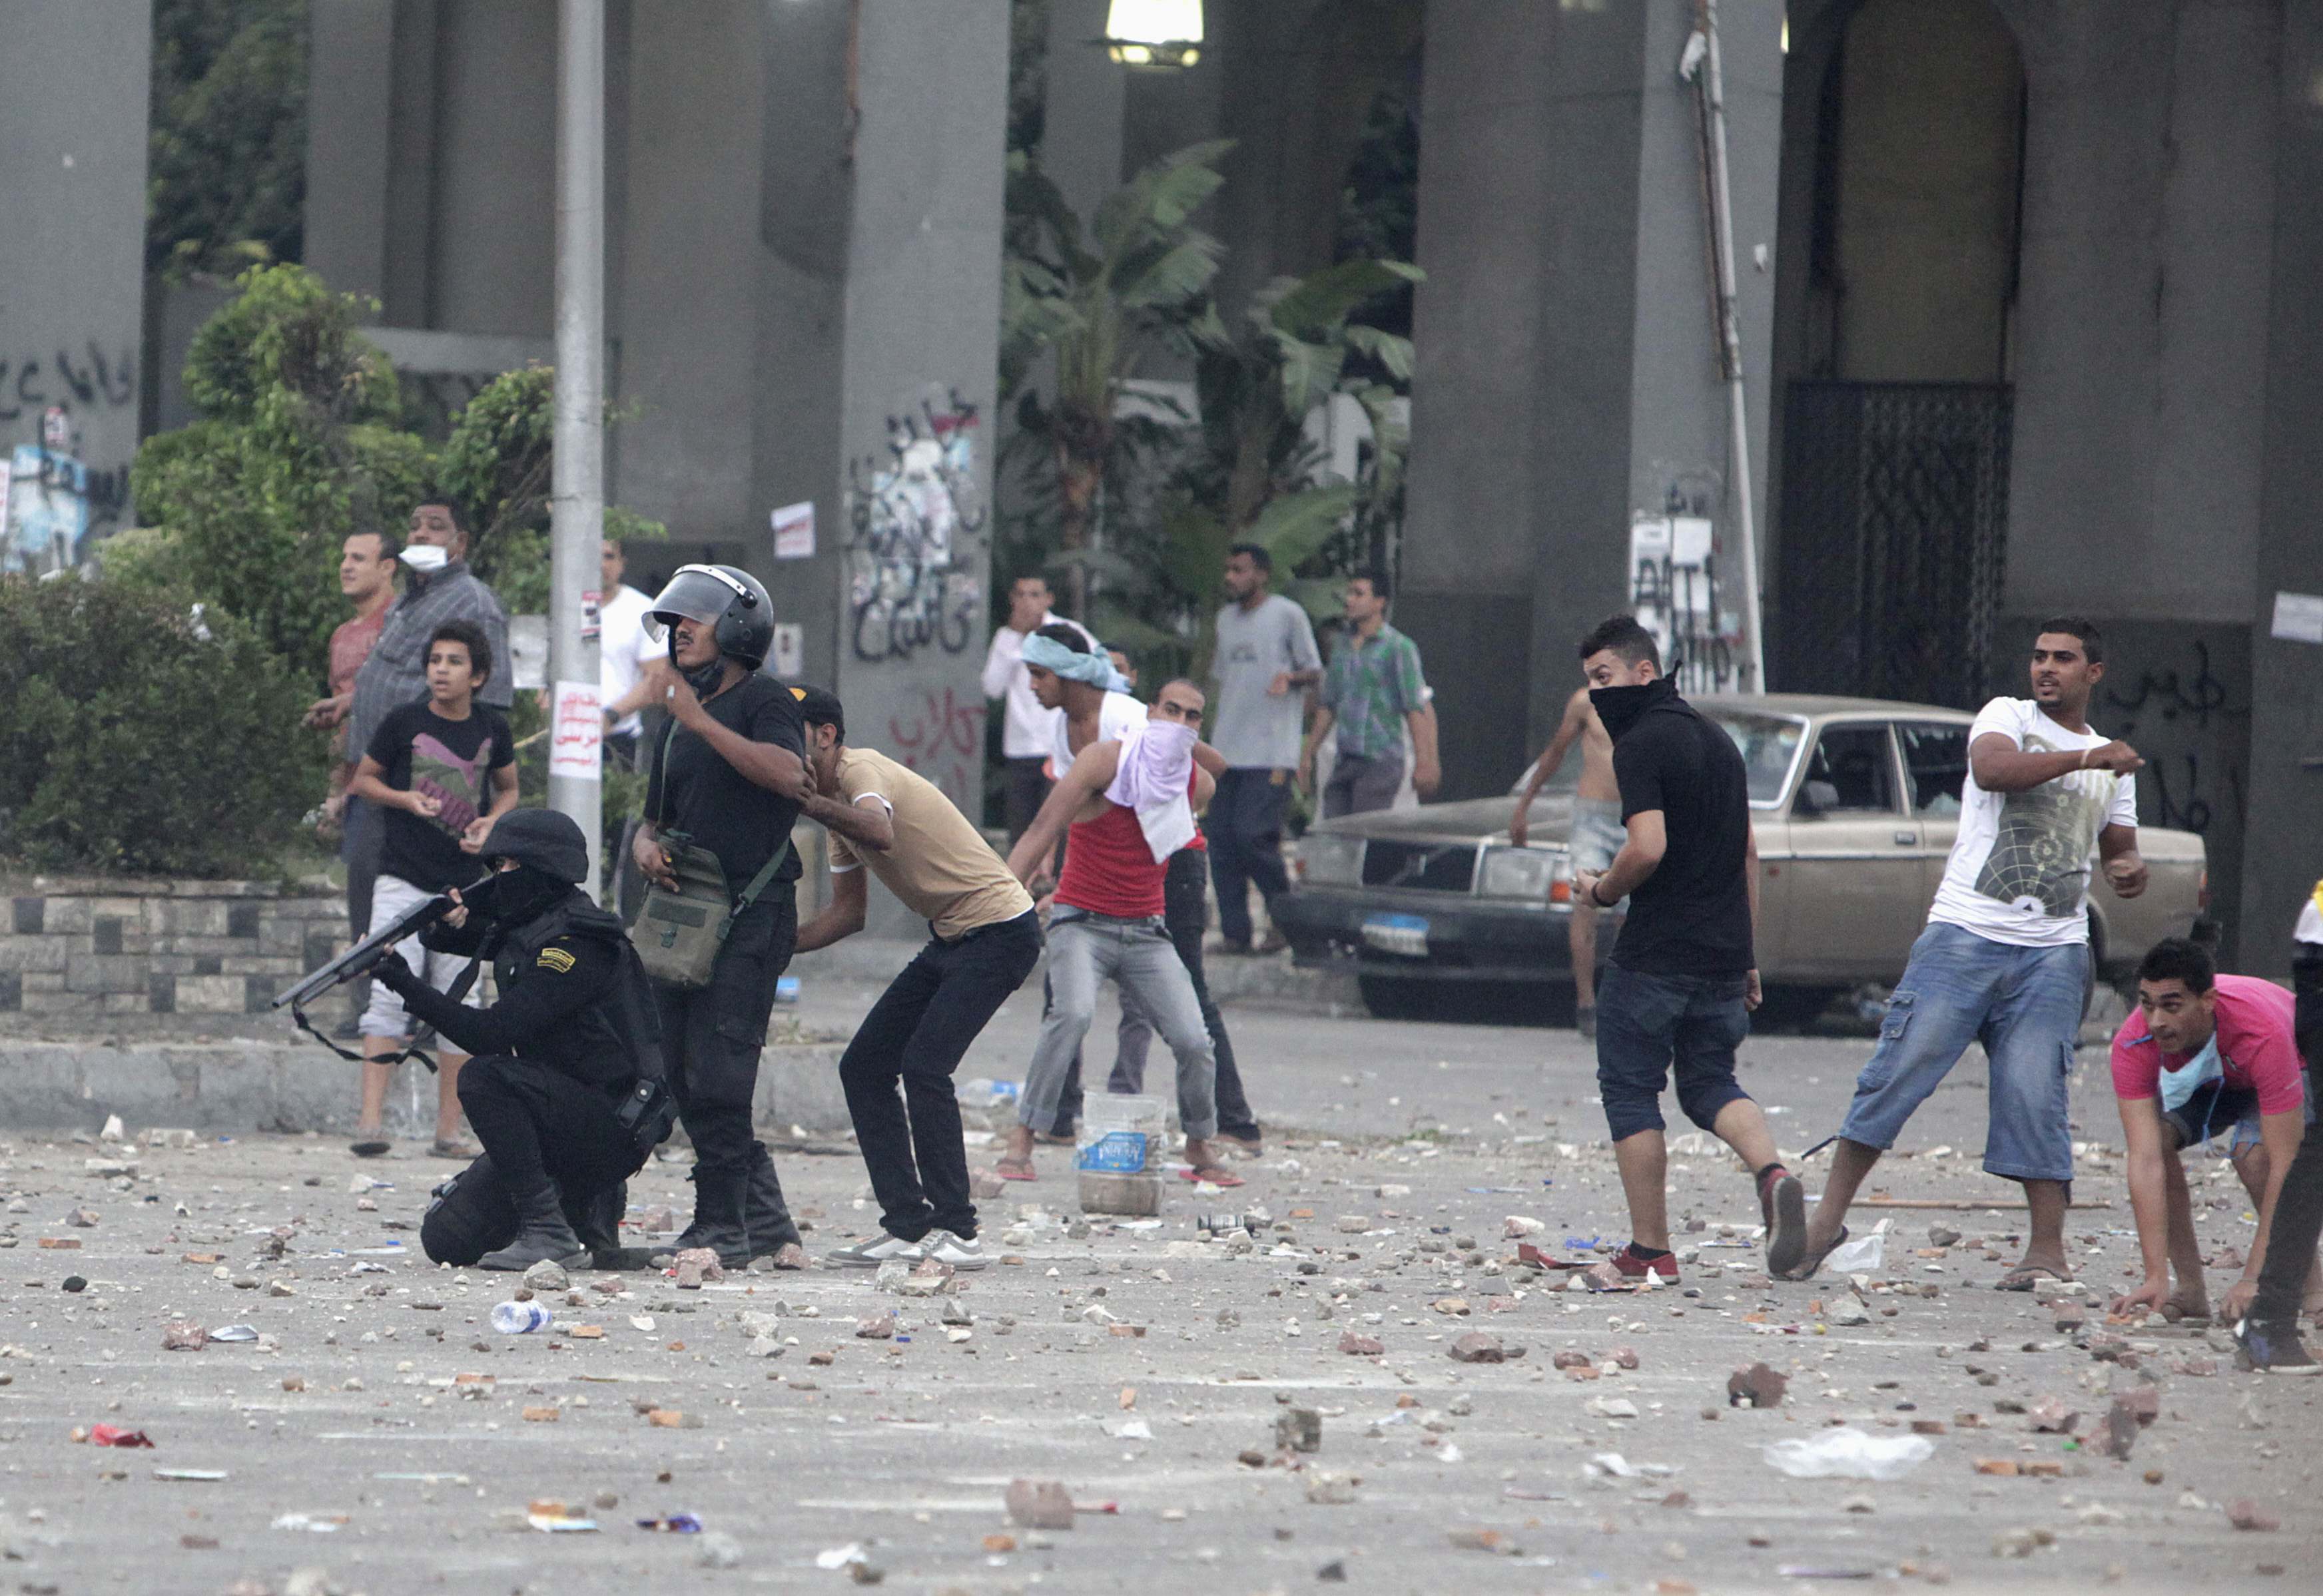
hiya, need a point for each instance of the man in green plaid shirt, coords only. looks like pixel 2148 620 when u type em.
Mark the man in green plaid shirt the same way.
pixel 1371 691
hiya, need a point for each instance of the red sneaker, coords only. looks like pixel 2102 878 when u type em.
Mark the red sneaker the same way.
pixel 1633 1268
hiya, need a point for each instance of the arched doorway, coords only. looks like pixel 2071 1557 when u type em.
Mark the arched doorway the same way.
pixel 1903 161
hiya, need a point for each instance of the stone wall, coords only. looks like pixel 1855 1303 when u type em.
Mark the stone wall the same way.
pixel 79 953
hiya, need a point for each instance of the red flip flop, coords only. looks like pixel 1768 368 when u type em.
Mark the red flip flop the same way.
pixel 1217 1177
pixel 1006 1173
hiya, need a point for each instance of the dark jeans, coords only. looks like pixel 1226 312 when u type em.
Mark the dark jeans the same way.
pixel 1646 1024
pixel 2299 1206
pixel 1025 789
pixel 1244 826
pixel 1185 915
pixel 1362 783
pixel 916 1034
pixel 362 831
pixel 711 1040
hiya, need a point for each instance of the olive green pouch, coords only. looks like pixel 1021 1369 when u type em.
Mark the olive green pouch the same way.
pixel 679 930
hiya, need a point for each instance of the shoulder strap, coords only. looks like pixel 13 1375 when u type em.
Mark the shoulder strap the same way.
pixel 759 884
pixel 661 764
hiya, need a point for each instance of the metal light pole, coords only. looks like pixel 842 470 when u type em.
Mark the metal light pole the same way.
pixel 577 483
pixel 1730 333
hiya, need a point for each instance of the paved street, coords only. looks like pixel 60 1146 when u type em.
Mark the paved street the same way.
pixel 378 1404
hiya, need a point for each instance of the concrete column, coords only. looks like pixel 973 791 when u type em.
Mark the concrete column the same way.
pixel 350 117
pixel 878 340
pixel 73 94
pixel 2286 779
pixel 1567 354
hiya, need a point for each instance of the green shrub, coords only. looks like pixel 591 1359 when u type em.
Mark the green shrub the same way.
pixel 138 735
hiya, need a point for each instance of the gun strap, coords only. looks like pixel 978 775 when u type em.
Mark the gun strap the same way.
pixel 461 985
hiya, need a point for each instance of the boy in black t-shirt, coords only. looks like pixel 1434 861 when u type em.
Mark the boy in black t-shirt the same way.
pixel 1683 978
pixel 441 769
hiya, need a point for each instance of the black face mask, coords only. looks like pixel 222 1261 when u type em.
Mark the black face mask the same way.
pixel 512 897
pixel 1620 708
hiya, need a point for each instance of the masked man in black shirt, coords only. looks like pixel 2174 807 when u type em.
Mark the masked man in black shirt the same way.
pixel 729 773
pixel 564 1086
pixel 1683 978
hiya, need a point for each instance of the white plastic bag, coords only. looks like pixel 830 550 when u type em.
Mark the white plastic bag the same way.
pixel 1862 1255
pixel 1848 1454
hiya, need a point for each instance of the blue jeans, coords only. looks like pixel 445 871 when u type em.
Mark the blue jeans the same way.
pixel 1647 1024
pixel 2023 1004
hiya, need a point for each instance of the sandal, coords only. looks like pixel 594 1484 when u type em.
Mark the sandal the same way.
pixel 2027 1277
pixel 374 1147
pixel 1805 1269
pixel 1013 1170
pixel 1215 1174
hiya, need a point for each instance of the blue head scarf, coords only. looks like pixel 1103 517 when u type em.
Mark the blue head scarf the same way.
pixel 1094 670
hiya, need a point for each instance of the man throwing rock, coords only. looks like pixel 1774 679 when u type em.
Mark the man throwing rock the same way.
pixel 2004 959
pixel 1130 805
pixel 985 939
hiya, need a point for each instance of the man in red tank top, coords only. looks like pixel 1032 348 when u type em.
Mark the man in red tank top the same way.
pixel 1107 918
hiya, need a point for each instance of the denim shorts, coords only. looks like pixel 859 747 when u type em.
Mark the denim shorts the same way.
pixel 1648 1024
pixel 2216 1107
pixel 2023 1004
pixel 1597 833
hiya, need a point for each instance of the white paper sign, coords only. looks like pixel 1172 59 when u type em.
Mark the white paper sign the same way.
pixel 529 652
pixel 576 732
pixel 2299 618
pixel 790 649
pixel 793 527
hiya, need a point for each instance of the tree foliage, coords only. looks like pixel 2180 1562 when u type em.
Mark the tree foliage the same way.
pixel 226 184
pixel 139 734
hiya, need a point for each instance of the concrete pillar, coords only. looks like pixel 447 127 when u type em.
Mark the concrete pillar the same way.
pixel 878 340
pixel 351 102
pixel 2286 730
pixel 1567 354
pixel 73 94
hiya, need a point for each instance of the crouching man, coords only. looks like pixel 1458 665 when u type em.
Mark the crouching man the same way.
pixel 2203 1056
pixel 563 1085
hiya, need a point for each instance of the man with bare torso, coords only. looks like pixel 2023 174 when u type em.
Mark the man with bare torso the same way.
pixel 1597 835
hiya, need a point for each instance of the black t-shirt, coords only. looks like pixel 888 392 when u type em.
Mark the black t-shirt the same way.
pixel 451 761
pixel 1692 916
pixel 694 790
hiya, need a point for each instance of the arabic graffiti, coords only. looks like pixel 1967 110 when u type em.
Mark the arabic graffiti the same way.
pixel 915 522
pixel 941 739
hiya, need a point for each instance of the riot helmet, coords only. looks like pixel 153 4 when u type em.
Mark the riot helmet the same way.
pixel 725 597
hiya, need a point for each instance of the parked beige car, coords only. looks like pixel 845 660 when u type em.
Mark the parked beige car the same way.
pixel 1856 803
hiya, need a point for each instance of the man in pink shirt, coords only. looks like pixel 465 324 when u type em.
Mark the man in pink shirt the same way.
pixel 2204 1054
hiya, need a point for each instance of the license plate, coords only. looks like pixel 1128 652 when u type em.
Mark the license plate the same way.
pixel 1406 934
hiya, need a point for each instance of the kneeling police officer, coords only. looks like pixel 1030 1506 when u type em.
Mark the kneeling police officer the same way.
pixel 564 1085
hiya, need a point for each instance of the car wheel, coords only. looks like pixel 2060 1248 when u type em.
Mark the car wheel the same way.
pixel 1794 1005
pixel 1396 998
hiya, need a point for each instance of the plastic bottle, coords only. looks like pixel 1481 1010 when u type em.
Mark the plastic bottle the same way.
pixel 520 1318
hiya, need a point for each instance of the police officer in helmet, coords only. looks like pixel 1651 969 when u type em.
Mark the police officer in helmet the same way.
pixel 564 1088
pixel 726 775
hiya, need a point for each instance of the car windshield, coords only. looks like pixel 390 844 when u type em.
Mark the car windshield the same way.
pixel 1769 746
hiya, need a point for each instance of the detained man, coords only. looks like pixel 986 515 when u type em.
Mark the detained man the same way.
pixel 1130 806
pixel 2204 1056
pixel 984 938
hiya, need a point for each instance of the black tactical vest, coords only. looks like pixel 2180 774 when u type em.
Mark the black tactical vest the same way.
pixel 613 1040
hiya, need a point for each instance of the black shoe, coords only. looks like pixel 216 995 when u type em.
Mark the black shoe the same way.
pixel 1785 1202
pixel 720 1214
pixel 596 1219
pixel 546 1237
pixel 2271 1349
pixel 771 1227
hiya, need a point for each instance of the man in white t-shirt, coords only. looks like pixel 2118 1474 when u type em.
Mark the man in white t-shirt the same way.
pixel 624 651
pixel 2004 959
pixel 1028 730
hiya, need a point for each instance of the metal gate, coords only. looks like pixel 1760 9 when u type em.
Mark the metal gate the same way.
pixel 1895 529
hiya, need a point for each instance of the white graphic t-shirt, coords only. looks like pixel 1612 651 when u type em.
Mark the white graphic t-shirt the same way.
pixel 2310 918
pixel 2019 871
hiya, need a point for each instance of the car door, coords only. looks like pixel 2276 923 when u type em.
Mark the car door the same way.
pixel 1935 767
pixel 1855 900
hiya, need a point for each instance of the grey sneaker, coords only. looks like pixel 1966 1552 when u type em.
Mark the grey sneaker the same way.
pixel 959 1252
pixel 872 1253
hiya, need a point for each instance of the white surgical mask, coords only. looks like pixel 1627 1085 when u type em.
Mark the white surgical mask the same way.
pixel 425 557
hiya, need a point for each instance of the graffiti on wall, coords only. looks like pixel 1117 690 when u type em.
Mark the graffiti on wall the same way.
pixel 942 737
pixel 917 528
pixel 2176 714
pixel 53 504
pixel 1673 592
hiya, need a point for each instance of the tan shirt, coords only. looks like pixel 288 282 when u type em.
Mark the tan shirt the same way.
pixel 940 866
